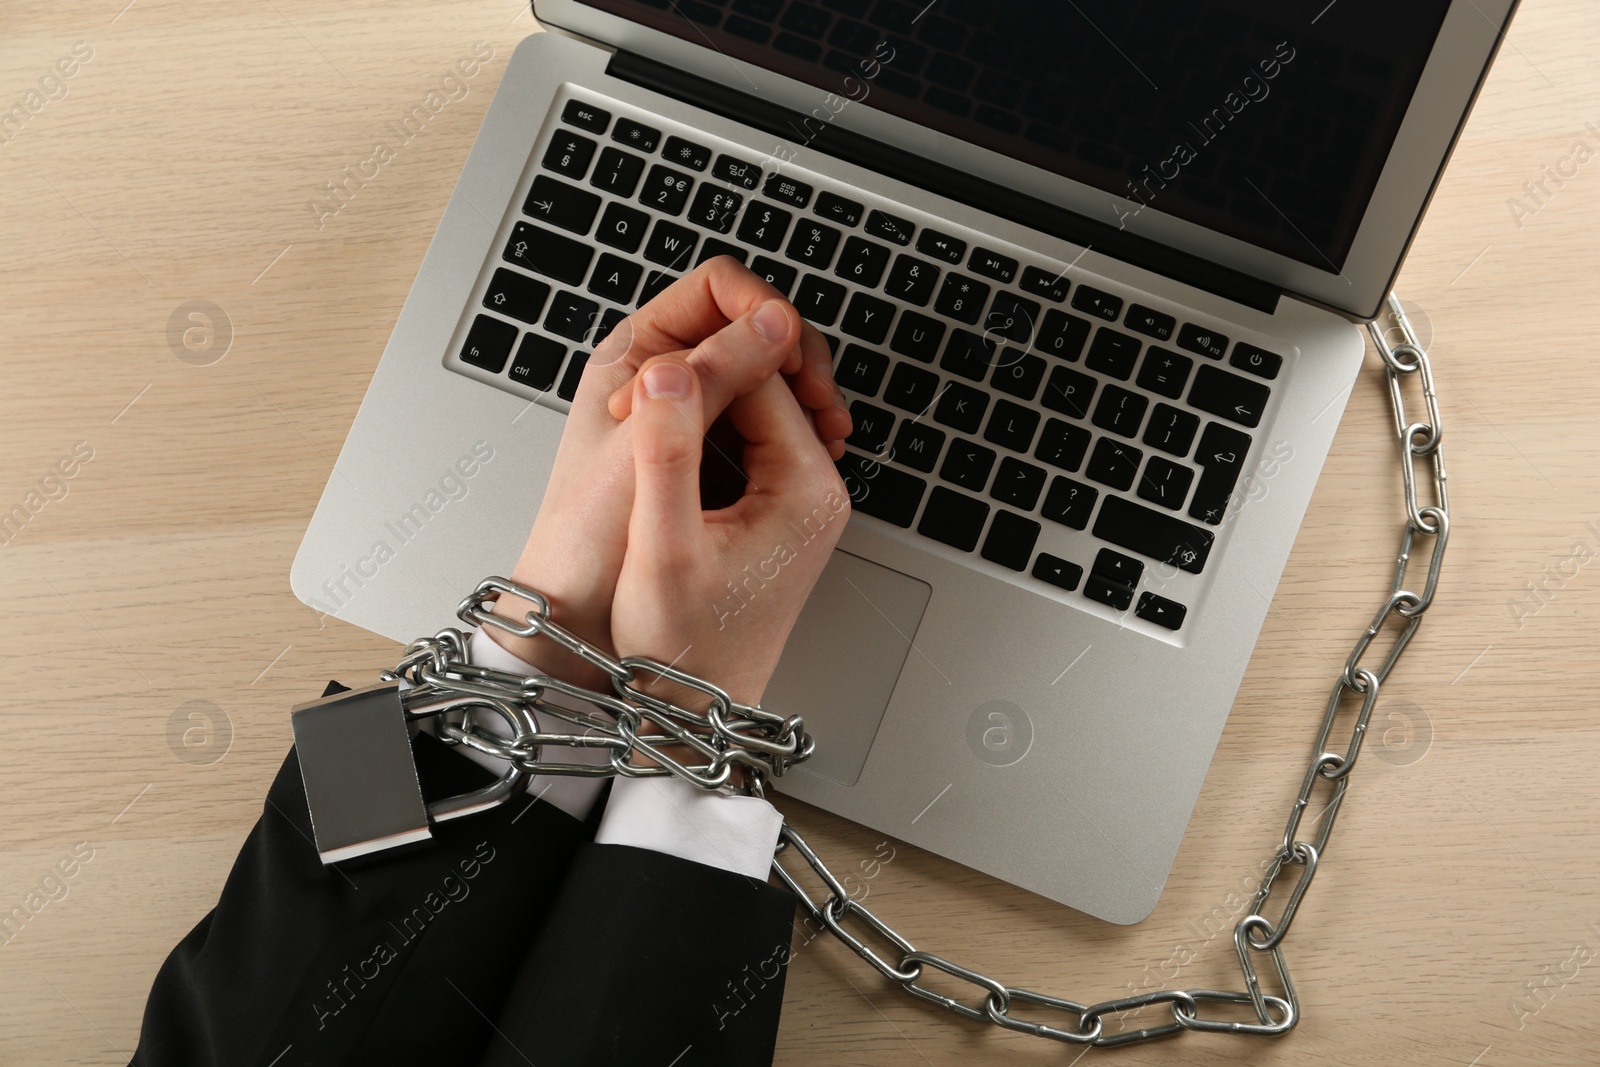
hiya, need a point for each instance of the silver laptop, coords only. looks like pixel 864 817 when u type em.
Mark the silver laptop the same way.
pixel 1091 273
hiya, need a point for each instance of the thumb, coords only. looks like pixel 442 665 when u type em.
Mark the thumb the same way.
pixel 666 456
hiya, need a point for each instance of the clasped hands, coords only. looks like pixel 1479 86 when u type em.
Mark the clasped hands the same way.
pixel 699 442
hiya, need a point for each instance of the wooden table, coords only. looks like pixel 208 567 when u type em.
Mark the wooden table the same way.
pixel 156 647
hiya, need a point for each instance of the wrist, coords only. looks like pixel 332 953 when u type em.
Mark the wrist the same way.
pixel 542 651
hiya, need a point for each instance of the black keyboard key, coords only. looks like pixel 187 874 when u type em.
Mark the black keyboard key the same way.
pixel 967 464
pixel 1162 537
pixel 737 172
pixel 836 208
pixel 795 194
pixel 1010 541
pixel 608 322
pixel 918 336
pixel 714 208
pixel 1018 484
pixel 961 406
pixel 671 245
pixel 992 265
pixel 654 283
pixel 517 295
pixel 912 280
pixel 968 354
pixel 1096 302
pixel 585 117
pixel 861 370
pixel 1257 361
pixel 1069 392
pixel 1171 430
pixel 1164 372
pixel 569 154
pixel 1120 411
pixel 1062 444
pixel 1070 503
pixel 764 225
pixel 1221 458
pixel 622 227
pixel 911 388
pixel 1165 482
pixel 819 300
pixel 887 227
pixel 636 134
pixel 1057 571
pixel 618 172
pixel 1150 322
pixel 1112 579
pixel 917 444
pixel 1112 353
pixel 813 244
pixel 862 262
pixel 571 316
pixel 941 246
pixel 1062 335
pixel 615 279
pixel 711 248
pixel 1017 373
pixel 870 427
pixel 1206 342
pixel 666 190
pixel 1052 287
pixel 1230 396
pixel 1160 610
pixel 547 253
pixel 1012 425
pixel 962 298
pixel 538 360
pixel 880 491
pixel 561 205
pixel 953 518
pixel 780 276
pixel 1012 317
pixel 574 373
pixel 488 343
pixel 1114 463
pixel 686 153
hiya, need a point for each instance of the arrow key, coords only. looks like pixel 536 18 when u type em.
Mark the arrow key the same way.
pixel 1160 610
pixel 1058 572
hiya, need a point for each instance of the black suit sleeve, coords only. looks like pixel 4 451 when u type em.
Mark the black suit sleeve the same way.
pixel 650 959
pixel 403 960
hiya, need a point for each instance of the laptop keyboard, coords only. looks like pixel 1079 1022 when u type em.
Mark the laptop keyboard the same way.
pixel 1059 430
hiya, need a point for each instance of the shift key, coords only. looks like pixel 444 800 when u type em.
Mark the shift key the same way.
pixel 880 491
pixel 1154 534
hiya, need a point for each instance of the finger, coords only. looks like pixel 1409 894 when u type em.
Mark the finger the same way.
pixel 699 304
pixel 814 384
pixel 666 434
pixel 737 358
pixel 782 456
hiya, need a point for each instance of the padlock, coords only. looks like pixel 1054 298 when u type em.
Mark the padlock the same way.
pixel 361 780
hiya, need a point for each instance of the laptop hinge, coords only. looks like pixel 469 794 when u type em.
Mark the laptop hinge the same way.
pixel 945 181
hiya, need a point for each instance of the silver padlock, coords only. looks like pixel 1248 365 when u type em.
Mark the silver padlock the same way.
pixel 361 780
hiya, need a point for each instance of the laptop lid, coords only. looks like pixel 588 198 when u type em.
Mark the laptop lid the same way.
pixel 1294 141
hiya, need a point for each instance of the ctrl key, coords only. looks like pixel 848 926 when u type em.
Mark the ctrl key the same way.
pixel 880 491
pixel 488 343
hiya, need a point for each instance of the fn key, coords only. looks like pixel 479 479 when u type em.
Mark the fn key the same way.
pixel 880 491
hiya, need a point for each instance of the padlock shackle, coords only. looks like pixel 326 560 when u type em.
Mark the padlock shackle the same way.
pixel 420 703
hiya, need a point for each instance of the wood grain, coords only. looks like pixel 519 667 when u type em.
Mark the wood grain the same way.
pixel 179 166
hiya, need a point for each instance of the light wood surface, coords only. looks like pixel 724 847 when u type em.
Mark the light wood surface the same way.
pixel 178 167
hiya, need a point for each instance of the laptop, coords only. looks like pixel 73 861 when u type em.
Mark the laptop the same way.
pixel 1091 273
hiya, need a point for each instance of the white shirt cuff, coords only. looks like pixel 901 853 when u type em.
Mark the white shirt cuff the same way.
pixel 735 833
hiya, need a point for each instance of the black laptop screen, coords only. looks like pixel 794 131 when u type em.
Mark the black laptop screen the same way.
pixel 1266 121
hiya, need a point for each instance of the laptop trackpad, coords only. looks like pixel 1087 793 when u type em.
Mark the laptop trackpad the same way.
pixel 843 659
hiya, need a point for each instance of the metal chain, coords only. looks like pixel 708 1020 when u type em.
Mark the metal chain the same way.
pixel 727 733
pixel 898 960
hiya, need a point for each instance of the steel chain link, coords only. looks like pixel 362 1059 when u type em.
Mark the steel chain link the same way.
pixel 726 733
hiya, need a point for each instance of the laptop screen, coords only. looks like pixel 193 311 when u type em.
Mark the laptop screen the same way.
pixel 1266 121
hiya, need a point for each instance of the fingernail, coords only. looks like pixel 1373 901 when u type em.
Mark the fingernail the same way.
pixel 838 395
pixel 668 380
pixel 770 321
